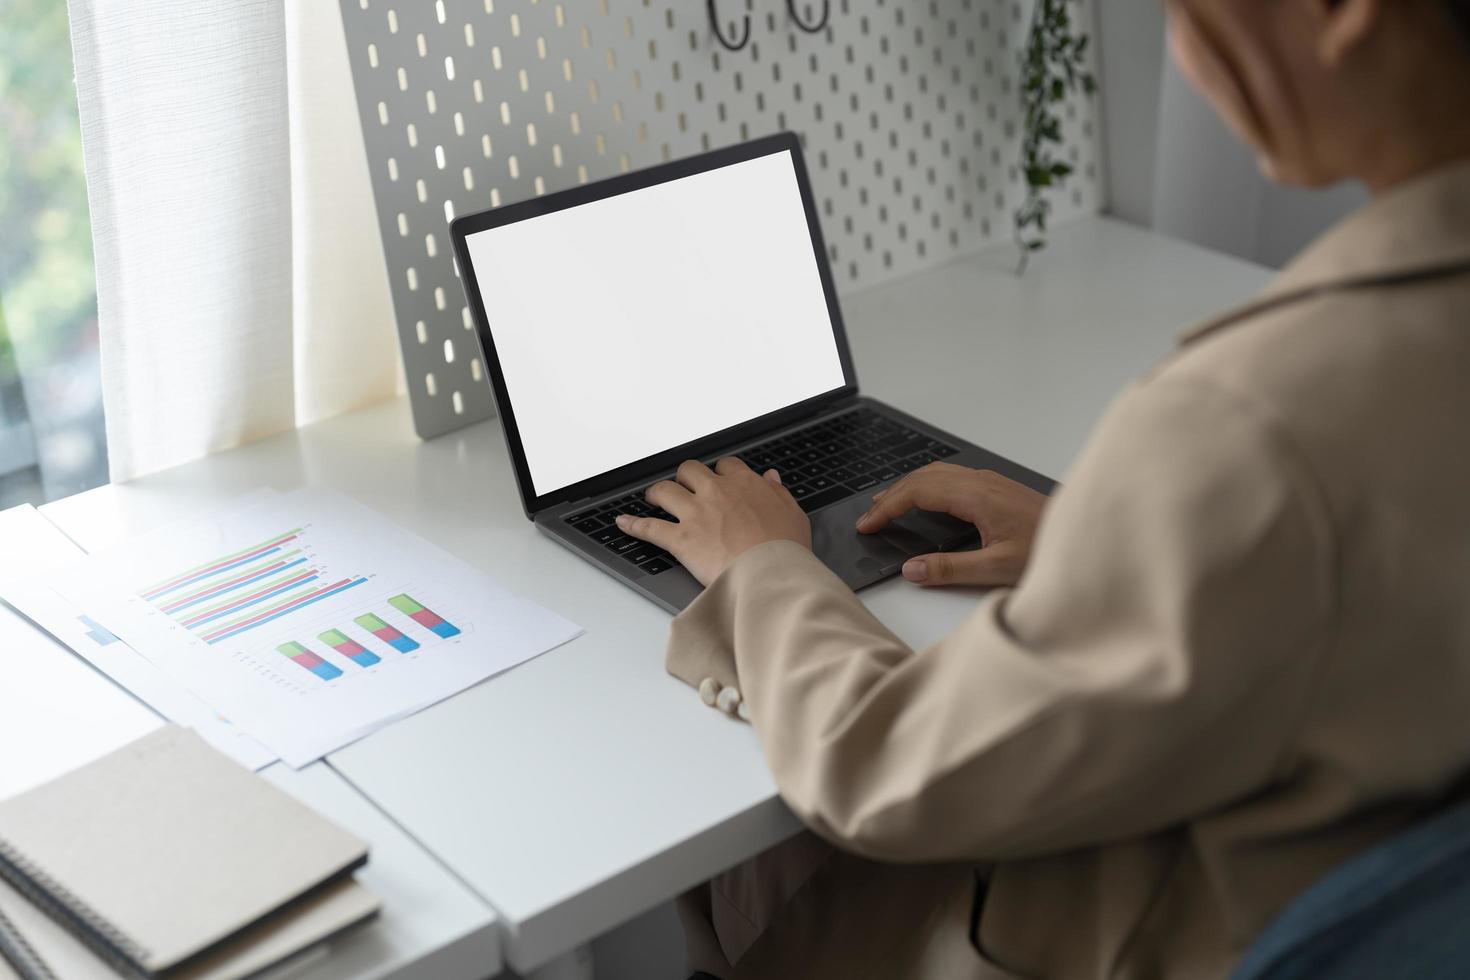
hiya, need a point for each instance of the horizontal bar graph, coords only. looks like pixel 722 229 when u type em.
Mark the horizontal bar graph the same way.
pixel 389 634
pixel 244 579
pixel 304 657
pixel 349 648
pixel 254 598
pixel 426 618
pixel 219 566
pixel 284 607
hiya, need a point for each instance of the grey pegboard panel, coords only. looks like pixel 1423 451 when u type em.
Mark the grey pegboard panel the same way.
pixel 907 110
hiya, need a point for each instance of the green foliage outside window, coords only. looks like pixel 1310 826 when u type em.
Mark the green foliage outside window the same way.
pixel 50 408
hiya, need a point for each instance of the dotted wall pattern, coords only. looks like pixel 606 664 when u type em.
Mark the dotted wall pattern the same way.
pixel 908 113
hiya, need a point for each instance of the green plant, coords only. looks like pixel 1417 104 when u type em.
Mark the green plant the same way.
pixel 1053 64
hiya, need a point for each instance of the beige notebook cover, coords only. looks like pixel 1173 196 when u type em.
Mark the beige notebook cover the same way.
pixel 165 848
pixel 281 936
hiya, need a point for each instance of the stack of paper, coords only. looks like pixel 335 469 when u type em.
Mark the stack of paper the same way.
pixel 305 619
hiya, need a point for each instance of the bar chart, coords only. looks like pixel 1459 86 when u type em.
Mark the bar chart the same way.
pixel 247 589
pixel 387 632
pixel 426 618
pixel 305 618
pixel 349 648
pixel 306 658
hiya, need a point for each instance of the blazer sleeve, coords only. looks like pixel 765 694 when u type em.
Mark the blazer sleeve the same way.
pixel 1152 664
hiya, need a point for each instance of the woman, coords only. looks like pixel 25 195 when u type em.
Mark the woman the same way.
pixel 1232 652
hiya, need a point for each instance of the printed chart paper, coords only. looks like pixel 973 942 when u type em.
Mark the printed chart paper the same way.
pixel 34 547
pixel 309 620
pixel 165 695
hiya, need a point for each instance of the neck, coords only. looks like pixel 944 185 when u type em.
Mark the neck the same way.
pixel 1422 123
pixel 1414 151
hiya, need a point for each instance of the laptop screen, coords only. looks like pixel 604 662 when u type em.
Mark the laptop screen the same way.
pixel 631 325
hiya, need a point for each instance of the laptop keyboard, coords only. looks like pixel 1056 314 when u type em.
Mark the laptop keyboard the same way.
pixel 821 464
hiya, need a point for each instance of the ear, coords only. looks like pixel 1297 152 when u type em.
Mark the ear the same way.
pixel 1349 25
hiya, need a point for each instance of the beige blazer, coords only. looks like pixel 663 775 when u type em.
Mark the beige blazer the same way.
pixel 1240 653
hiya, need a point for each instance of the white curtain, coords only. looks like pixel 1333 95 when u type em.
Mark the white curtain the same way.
pixel 240 279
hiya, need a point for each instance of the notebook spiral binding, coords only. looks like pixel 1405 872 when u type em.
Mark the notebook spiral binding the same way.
pixel 118 950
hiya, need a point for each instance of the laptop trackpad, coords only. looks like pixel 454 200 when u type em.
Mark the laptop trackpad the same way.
pixel 922 532
pixel 906 540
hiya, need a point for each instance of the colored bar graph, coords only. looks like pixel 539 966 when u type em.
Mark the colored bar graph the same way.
pixel 390 635
pixel 426 618
pixel 96 632
pixel 349 648
pixel 299 654
pixel 283 608
pixel 247 577
pixel 219 566
pixel 252 598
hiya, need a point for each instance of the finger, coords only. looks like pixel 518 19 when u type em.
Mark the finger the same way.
pixel 649 529
pixel 938 466
pixel 670 496
pixel 918 489
pixel 997 564
pixel 774 476
pixel 730 464
pixel 693 474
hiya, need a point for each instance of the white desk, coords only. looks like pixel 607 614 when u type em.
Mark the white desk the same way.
pixel 431 923
pixel 586 786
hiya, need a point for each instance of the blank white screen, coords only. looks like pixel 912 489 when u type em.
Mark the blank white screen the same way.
pixel 640 322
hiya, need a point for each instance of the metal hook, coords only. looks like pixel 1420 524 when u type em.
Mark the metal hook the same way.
pixel 811 28
pixel 714 24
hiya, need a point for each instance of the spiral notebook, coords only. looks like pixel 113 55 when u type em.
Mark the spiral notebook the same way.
pixel 167 859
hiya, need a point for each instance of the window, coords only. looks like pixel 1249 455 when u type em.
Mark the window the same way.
pixel 52 441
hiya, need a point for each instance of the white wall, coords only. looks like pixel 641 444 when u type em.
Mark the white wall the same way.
pixel 1173 166
pixel 1130 40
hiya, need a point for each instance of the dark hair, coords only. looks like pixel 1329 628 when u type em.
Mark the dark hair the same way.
pixel 1459 11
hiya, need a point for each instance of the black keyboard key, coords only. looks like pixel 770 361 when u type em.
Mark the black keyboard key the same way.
pixel 884 474
pixel 819 483
pixel 861 483
pixel 910 447
pixel 640 554
pixel 841 474
pixel 943 451
pixel 579 518
pixel 656 566
pixel 588 525
pixel 811 470
pixel 829 496
pixel 606 534
pixel 622 544
pixel 801 491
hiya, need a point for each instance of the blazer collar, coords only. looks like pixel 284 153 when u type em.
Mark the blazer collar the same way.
pixel 1420 230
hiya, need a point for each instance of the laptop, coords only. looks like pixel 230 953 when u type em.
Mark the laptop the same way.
pixel 684 312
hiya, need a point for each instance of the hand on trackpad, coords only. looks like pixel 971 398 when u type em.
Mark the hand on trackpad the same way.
pixel 922 533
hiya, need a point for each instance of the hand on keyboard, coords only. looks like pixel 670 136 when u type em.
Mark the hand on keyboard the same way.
pixel 721 514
